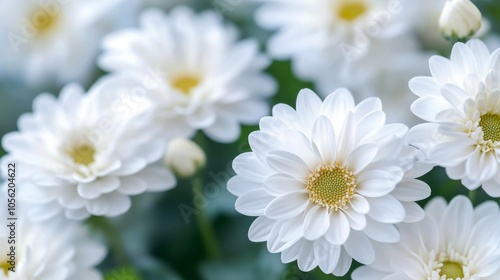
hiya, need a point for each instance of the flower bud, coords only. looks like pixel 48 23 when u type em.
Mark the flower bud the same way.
pixel 459 20
pixel 184 157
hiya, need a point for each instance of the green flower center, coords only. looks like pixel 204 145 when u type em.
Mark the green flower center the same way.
pixel 452 270
pixel 331 186
pixel 5 267
pixel 351 10
pixel 83 154
pixel 186 83
pixel 490 124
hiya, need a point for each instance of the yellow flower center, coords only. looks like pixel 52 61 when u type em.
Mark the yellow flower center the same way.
pixel 351 10
pixel 43 21
pixel 186 83
pixel 490 124
pixel 331 186
pixel 5 267
pixel 452 270
pixel 83 154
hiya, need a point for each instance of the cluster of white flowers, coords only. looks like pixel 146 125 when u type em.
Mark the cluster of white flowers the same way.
pixel 85 153
pixel 330 182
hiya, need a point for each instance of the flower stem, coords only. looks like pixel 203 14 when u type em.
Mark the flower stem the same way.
pixel 472 196
pixel 113 239
pixel 205 227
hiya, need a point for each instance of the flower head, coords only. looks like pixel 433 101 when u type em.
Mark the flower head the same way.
pixel 460 101
pixel 453 241
pixel 58 250
pixel 80 156
pixel 196 73
pixel 54 40
pixel 331 41
pixel 326 179
pixel 460 19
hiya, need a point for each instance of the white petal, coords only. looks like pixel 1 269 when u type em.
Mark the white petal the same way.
pixel 386 209
pixel 361 157
pixel 288 163
pixel 249 167
pixel 238 185
pixel 324 138
pixel 260 229
pixel 327 255
pixel 344 263
pixel 376 183
pixel 287 206
pixel 281 184
pixel 253 203
pixel 380 232
pixel 316 222
pixel 132 185
pixel 95 188
pixel 360 204
pixel 360 247
pixel 411 190
pixel 339 228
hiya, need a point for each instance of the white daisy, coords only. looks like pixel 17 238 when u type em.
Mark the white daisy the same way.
pixel 77 157
pixel 454 242
pixel 197 75
pixel 322 181
pixel 461 102
pixel 56 40
pixel 55 250
pixel 332 41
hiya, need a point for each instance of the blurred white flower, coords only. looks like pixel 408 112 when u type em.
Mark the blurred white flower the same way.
pixel 461 102
pixel 197 75
pixel 460 19
pixel 56 41
pixel 184 157
pixel 55 250
pixel 76 156
pixel 323 181
pixel 362 45
pixel 451 242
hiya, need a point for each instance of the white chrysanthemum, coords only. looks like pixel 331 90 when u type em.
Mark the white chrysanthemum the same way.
pixel 332 41
pixel 462 103
pixel 55 250
pixel 323 179
pixel 451 242
pixel 56 40
pixel 197 75
pixel 76 155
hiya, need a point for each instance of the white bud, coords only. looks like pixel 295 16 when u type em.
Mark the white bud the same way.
pixel 184 157
pixel 459 20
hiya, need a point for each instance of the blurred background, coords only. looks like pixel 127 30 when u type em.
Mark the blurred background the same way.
pixel 159 238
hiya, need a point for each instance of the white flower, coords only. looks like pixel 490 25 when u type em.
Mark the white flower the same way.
pixel 355 44
pixel 184 157
pixel 55 250
pixel 76 156
pixel 462 103
pixel 459 19
pixel 451 242
pixel 322 181
pixel 56 40
pixel 197 75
